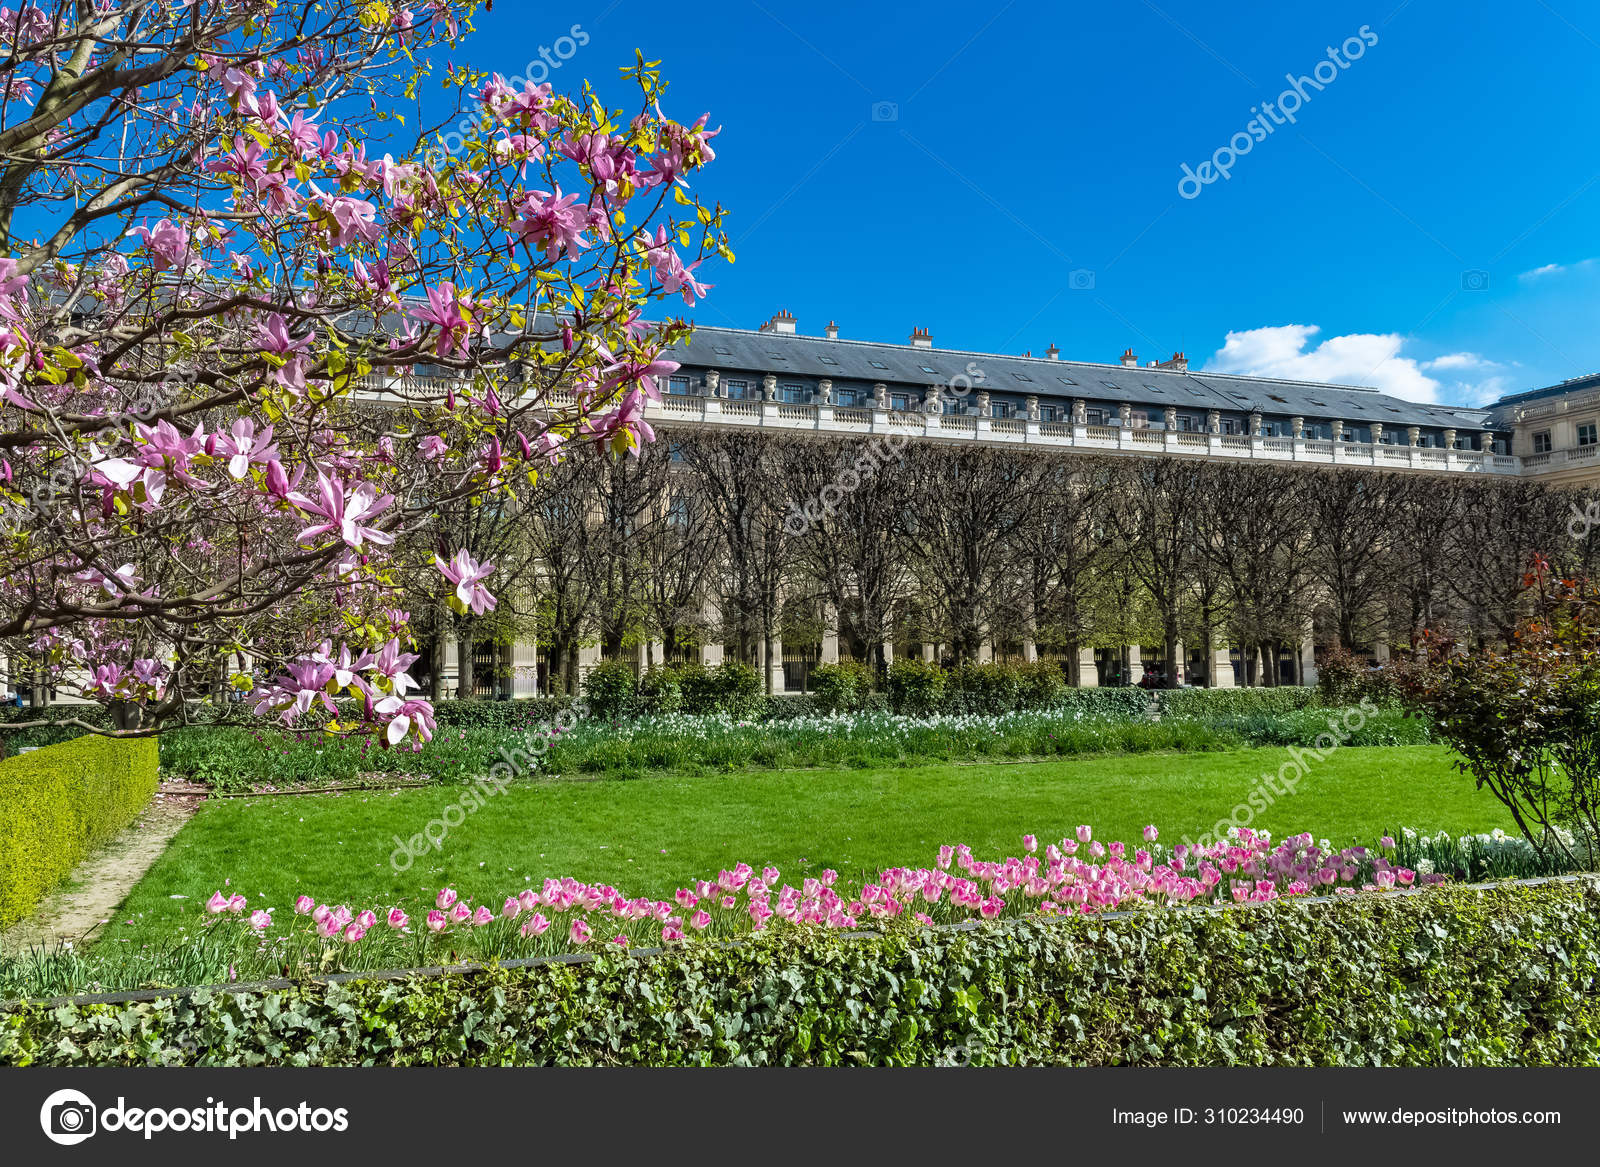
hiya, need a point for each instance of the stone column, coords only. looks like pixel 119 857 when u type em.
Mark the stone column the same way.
pixel 711 653
pixel 1088 670
pixel 774 666
pixel 1308 656
pixel 1135 665
pixel 1380 649
pixel 525 668
pixel 588 657
pixel 830 635
pixel 986 651
pixel 930 652
pixel 888 653
pixel 1221 670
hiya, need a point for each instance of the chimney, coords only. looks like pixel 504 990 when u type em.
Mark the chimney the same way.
pixel 1129 361
pixel 1179 363
pixel 1027 352
pixel 1151 364
pixel 921 338
pixel 782 322
pixel 832 331
pixel 1053 352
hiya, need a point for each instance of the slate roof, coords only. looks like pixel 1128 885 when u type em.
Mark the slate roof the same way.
pixel 902 366
pixel 1503 408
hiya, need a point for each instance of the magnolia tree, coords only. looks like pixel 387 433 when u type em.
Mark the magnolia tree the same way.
pixel 227 261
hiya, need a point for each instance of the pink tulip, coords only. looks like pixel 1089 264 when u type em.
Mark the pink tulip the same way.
pixel 699 920
pixel 1150 834
pixel 1030 844
pixel 1085 834
pixel 581 932
pixel 303 906
pixel 460 913
pixel 481 917
pixel 217 904
pixel 535 925
pixel 511 908
pixel 237 904
pixel 670 933
pixel 260 920
pixel 367 919
pixel 397 918
pixel 529 899
pixel 436 921
pixel 328 927
pixel 354 933
pixel 445 898
pixel 620 940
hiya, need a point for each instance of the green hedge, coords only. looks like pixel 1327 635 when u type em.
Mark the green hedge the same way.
pixel 1501 975
pixel 59 802
pixel 1235 702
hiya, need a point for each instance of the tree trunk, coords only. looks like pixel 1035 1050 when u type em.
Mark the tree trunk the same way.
pixel 464 687
pixel 1170 680
pixel 436 681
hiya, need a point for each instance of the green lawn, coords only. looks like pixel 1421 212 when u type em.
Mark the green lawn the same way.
pixel 651 835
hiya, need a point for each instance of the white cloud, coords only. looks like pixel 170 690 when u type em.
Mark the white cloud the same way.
pixel 1460 361
pixel 1368 359
pixel 1551 269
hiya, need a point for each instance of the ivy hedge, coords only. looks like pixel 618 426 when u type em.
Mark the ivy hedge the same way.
pixel 59 802
pixel 1494 975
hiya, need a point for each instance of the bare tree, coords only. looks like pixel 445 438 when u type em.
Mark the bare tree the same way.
pixel 853 550
pixel 741 480
pixel 963 510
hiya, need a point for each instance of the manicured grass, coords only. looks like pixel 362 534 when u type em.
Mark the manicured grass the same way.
pixel 652 835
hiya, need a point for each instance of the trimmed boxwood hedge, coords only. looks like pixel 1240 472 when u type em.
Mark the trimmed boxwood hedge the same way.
pixel 1235 702
pixel 59 802
pixel 1495 975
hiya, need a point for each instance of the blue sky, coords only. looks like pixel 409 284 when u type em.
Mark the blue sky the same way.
pixel 1425 224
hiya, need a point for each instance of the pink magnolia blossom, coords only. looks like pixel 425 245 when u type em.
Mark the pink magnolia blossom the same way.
pixel 467 576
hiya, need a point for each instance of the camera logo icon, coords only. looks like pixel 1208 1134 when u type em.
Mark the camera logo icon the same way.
pixel 886 111
pixel 68 1117
pixel 1081 280
pixel 1475 280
